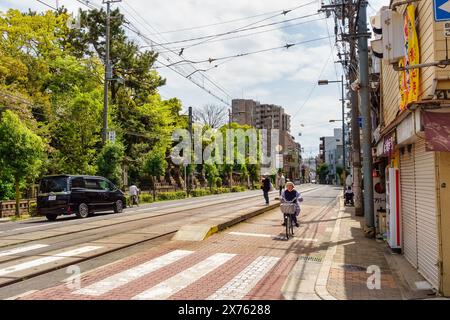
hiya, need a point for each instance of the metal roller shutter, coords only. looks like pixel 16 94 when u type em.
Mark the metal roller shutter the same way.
pixel 427 233
pixel 408 207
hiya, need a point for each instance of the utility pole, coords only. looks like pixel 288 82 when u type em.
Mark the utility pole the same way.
pixel 191 151
pixel 365 112
pixel 108 69
pixel 343 133
pixel 230 116
pixel 356 140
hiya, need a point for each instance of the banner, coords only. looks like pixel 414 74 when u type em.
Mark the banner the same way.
pixel 437 131
pixel 409 79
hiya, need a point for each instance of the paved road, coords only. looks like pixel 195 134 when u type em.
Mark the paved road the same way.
pixel 249 261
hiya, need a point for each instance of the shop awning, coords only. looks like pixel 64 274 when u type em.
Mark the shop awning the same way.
pixel 437 131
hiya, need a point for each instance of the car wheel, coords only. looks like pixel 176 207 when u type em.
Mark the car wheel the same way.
pixel 83 211
pixel 51 217
pixel 118 206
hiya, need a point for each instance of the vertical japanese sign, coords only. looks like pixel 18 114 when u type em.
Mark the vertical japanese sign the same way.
pixel 409 79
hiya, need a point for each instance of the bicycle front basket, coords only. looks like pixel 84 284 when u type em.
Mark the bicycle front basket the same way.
pixel 287 208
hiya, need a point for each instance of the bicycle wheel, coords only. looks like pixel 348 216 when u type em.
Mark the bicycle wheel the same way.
pixel 291 225
pixel 288 226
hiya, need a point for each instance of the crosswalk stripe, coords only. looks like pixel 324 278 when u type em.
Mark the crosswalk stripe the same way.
pixel 45 260
pixel 182 280
pixel 122 278
pixel 238 287
pixel 12 252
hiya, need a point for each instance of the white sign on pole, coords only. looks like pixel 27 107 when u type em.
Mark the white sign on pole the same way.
pixel 112 136
pixel 447 29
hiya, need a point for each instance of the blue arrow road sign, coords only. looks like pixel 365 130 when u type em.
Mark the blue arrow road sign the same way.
pixel 441 10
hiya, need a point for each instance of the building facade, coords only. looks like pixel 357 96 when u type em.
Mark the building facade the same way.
pixel 269 116
pixel 412 146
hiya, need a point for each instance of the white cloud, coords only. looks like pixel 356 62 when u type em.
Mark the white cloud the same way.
pixel 283 77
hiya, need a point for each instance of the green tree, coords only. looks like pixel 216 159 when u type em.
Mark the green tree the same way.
pixel 155 165
pixel 109 162
pixel 211 173
pixel 322 172
pixel 21 151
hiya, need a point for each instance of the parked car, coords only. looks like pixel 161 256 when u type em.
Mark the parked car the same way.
pixel 313 181
pixel 82 195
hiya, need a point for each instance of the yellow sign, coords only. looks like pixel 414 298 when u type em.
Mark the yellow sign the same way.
pixel 409 79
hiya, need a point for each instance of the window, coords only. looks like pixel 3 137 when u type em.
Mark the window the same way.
pixel 93 184
pixel 53 184
pixel 106 185
pixel 77 183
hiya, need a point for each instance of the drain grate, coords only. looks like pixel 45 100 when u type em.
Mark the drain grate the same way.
pixel 352 267
pixel 310 259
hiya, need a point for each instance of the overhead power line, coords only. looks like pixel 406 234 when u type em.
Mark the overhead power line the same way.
pixel 218 23
pixel 285 12
pixel 239 30
pixel 259 32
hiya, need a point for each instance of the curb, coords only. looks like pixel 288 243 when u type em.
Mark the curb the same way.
pixel 201 230
pixel 322 279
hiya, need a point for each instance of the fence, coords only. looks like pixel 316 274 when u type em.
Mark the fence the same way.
pixel 8 207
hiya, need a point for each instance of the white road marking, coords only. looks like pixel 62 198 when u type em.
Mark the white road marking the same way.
pixel 122 278
pixel 246 280
pixel 261 235
pixel 251 234
pixel 12 252
pixel 45 260
pixel 180 281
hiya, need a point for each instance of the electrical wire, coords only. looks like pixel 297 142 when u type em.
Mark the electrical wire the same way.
pixel 285 12
pixel 218 23
pixel 254 33
pixel 239 30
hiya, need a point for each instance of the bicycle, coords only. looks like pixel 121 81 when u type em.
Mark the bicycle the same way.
pixel 288 210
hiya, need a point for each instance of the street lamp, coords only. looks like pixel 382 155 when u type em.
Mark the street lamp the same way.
pixel 324 83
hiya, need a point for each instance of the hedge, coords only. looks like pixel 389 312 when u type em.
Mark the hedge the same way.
pixel 172 195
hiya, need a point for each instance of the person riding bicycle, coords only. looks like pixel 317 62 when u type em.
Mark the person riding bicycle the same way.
pixel 294 196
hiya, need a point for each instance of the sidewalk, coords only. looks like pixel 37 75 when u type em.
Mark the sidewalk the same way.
pixel 354 253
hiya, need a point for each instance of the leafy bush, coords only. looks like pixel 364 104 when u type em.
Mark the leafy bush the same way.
pixel 237 189
pixel 146 198
pixel 219 182
pixel 257 186
pixel 172 195
pixel 33 209
pixel 200 192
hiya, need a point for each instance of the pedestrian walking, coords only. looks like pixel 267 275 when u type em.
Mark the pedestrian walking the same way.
pixel 292 195
pixel 266 186
pixel 349 181
pixel 134 195
pixel 281 182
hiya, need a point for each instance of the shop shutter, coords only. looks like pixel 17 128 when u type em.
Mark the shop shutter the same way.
pixel 408 206
pixel 427 233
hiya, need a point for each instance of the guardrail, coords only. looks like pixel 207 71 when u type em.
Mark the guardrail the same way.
pixel 8 207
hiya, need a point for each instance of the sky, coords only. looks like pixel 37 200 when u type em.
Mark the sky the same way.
pixel 285 77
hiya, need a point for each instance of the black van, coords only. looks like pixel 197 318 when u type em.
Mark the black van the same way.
pixel 82 195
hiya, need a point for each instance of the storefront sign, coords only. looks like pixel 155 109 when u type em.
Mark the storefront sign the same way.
pixel 388 145
pixel 409 79
pixel 437 131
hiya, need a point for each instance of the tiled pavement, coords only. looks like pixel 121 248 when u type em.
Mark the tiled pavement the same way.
pixel 251 261
pixel 348 277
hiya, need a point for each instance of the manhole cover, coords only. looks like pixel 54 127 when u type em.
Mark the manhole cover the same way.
pixel 310 258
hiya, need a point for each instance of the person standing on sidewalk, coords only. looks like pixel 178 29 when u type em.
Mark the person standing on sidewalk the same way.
pixel 294 196
pixel 134 192
pixel 281 181
pixel 266 186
